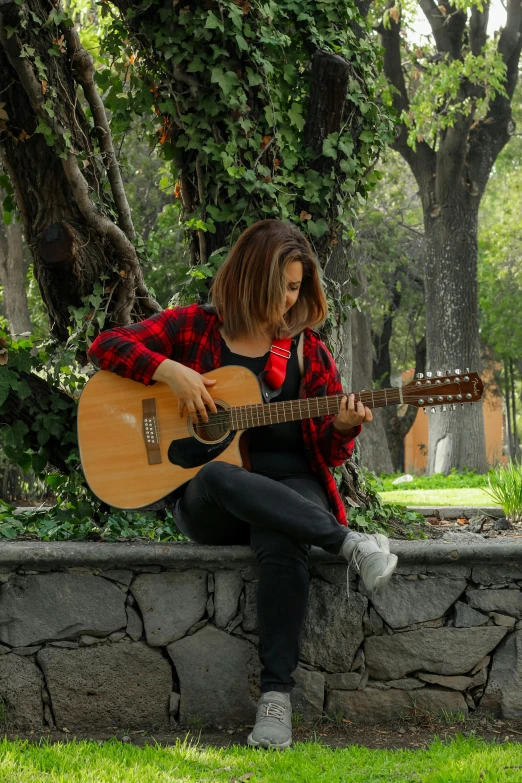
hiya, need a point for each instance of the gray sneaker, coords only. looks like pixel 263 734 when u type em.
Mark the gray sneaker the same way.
pixel 370 555
pixel 273 727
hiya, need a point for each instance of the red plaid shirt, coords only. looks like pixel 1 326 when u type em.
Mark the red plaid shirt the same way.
pixel 190 335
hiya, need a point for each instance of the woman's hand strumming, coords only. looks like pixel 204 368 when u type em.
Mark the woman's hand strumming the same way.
pixel 189 387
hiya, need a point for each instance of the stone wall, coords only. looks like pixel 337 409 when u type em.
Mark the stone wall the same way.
pixel 142 636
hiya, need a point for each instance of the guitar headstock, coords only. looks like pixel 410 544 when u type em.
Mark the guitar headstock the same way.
pixel 446 391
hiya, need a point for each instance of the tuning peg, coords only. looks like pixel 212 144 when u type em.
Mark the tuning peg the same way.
pixel 429 375
pixel 453 407
pixel 439 374
pixel 471 405
pixel 424 409
pixel 467 369
pixel 433 410
pixel 420 376
pixel 457 372
pixel 444 409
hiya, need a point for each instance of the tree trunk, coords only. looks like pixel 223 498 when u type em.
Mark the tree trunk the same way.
pixel 12 278
pixel 73 242
pixel 339 333
pixel 456 439
pixel 396 426
pixel 372 441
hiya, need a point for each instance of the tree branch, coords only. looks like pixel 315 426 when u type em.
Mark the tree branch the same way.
pixel 478 25
pixel 421 160
pixel 83 69
pixel 447 26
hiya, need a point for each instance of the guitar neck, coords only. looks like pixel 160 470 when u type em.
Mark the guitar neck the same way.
pixel 246 416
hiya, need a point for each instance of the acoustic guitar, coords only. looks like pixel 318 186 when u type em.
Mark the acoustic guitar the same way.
pixel 135 448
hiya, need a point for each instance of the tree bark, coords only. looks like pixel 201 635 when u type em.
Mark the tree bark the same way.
pixel 372 441
pixel 12 278
pixel 339 333
pixel 456 439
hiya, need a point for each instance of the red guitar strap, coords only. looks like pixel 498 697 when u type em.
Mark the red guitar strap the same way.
pixel 275 368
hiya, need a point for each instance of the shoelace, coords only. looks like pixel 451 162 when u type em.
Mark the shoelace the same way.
pixel 273 711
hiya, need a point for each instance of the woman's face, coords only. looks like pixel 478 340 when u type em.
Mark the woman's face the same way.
pixel 294 278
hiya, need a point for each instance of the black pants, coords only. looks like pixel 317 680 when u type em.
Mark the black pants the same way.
pixel 225 504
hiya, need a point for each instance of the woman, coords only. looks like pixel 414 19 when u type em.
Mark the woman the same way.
pixel 268 288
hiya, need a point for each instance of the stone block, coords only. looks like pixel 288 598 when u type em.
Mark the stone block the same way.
pixel 450 571
pixel 373 706
pixel 250 621
pixel 126 685
pixel 483 664
pixel 333 627
pixel 496 574
pixel 21 685
pixel 335 573
pixel 406 602
pixel 466 617
pixel 439 650
pixel 503 694
pixel 503 620
pixel 503 601
pixel 35 609
pixel 134 624
pixel 227 589
pixel 307 697
pixel 406 684
pixel 216 673
pixel 170 603
pixel 344 681
pixel 455 683
pixel 118 575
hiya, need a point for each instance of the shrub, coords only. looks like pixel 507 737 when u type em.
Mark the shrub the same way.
pixel 505 487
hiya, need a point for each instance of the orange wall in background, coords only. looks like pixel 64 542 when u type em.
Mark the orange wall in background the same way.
pixel 416 441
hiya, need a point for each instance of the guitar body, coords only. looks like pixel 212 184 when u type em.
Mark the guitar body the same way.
pixel 135 448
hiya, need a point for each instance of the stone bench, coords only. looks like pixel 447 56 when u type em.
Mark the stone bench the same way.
pixel 147 635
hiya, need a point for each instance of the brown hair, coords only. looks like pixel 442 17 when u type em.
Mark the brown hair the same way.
pixel 251 284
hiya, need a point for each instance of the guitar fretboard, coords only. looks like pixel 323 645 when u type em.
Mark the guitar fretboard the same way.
pixel 246 416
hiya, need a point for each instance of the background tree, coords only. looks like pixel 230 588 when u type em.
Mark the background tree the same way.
pixel 453 97
pixel 260 110
pixel 388 324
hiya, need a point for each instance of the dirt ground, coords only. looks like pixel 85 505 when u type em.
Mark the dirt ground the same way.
pixel 417 731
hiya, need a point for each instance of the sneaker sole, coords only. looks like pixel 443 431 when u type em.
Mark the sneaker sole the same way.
pixel 384 578
pixel 267 745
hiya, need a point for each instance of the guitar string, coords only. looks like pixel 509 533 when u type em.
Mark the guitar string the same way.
pixel 260 410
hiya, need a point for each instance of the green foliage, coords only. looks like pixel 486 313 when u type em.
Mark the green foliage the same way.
pixel 438 98
pixel 50 416
pixel 241 105
pixel 379 517
pixel 505 488
pixel 79 517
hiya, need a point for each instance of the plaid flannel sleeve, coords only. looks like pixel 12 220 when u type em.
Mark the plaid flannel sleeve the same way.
pixel 336 447
pixel 136 351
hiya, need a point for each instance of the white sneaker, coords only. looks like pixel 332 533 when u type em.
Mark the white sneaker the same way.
pixel 370 554
pixel 273 727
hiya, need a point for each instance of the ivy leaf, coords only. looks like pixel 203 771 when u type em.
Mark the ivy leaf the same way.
pixel 227 80
pixel 296 115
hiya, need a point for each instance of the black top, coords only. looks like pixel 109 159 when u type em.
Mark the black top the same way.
pixel 275 450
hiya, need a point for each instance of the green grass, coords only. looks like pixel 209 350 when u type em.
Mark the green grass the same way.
pixel 465 479
pixel 462 760
pixel 438 497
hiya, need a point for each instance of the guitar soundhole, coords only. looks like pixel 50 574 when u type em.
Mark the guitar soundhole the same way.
pixel 218 425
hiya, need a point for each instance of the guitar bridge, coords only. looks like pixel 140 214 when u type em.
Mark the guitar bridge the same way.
pixel 151 431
